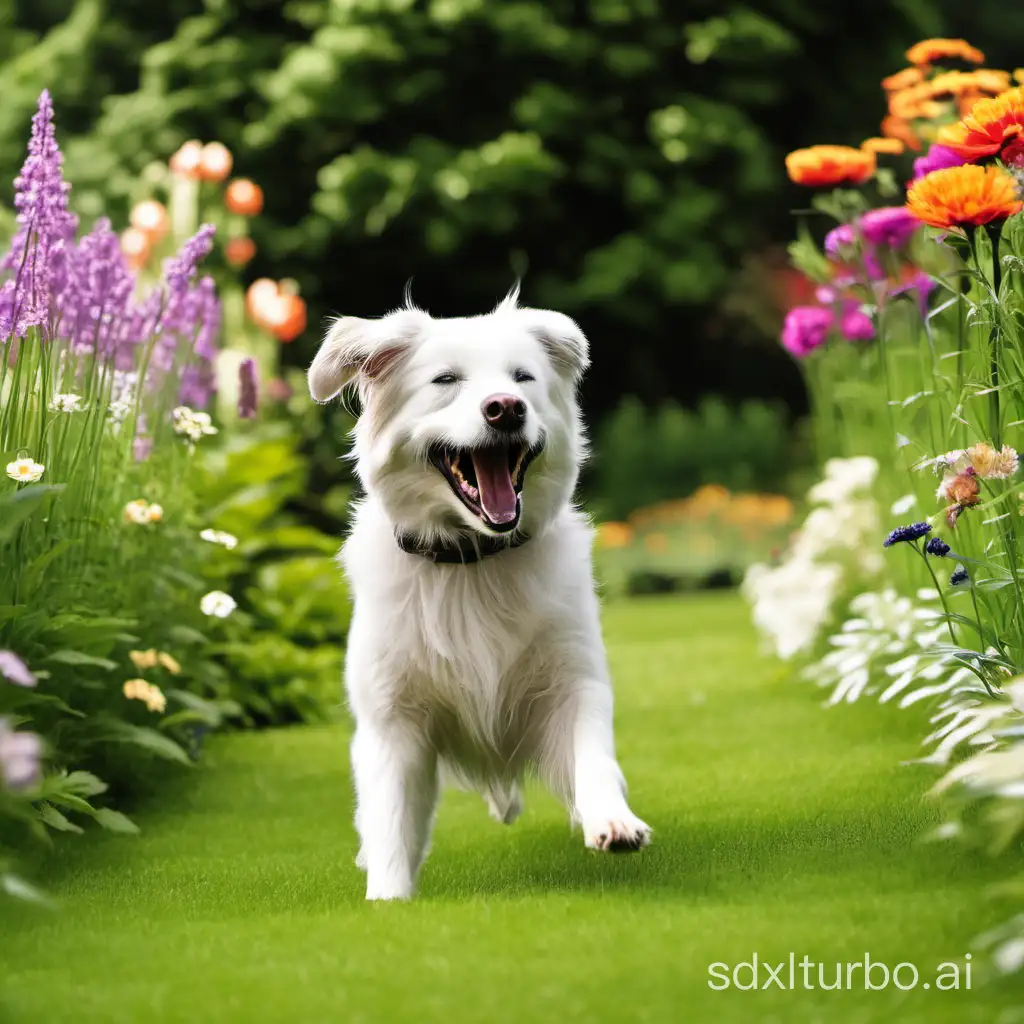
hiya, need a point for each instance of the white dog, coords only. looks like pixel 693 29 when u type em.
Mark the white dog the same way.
pixel 475 642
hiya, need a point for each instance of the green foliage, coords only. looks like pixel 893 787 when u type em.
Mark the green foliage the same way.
pixel 647 456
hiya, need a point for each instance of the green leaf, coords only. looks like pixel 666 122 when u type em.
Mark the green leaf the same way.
pixel 148 739
pixel 79 658
pixel 17 507
pixel 11 611
pixel 55 820
pixel 115 821
pixel 84 784
pixel 187 635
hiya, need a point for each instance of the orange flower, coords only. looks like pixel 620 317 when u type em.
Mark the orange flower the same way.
pixel 187 160
pixel 257 295
pixel 285 316
pixel 614 535
pixel 990 125
pixel 239 251
pixel 930 50
pixel 150 218
pixel 244 196
pixel 892 147
pixel 957 196
pixel 899 128
pixel 917 102
pixel 821 166
pixel 215 162
pixel 903 79
pixel 135 246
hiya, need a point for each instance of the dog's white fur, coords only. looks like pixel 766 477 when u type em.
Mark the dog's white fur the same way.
pixel 493 669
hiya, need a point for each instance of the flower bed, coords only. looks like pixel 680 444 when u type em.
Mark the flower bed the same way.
pixel 913 352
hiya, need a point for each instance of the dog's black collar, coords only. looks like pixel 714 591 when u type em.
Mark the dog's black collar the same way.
pixel 465 551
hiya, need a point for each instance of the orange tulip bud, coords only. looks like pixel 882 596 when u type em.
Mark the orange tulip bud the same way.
pixel 215 162
pixel 244 196
pixel 150 218
pixel 239 251
pixel 187 160
pixel 135 246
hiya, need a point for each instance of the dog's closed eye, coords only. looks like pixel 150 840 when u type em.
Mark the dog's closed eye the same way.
pixel 446 378
pixel 523 376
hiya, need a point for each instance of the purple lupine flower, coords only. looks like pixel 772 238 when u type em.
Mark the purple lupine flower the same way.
pixel 937 158
pixel 904 534
pixel 806 328
pixel 39 250
pixel 209 319
pixel 891 226
pixel 20 754
pixel 181 308
pixel 14 670
pixel 95 304
pixel 248 389
pixel 842 237
pixel 855 324
pixel 198 384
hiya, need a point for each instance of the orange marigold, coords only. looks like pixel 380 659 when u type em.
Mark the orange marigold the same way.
pixel 930 50
pixel 899 128
pixel 903 79
pixel 958 196
pixel 991 125
pixel 821 166
pixel 893 147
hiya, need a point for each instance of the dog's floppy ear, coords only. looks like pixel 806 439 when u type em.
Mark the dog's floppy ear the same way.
pixel 354 346
pixel 565 343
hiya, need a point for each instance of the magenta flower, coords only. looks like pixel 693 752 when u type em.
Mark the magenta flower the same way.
pixel 891 226
pixel 248 389
pixel 936 159
pixel 14 670
pixel 20 754
pixel 838 239
pixel 39 250
pixel 919 286
pixel 805 329
pixel 855 324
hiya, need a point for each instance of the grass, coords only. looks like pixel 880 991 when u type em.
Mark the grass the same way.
pixel 780 827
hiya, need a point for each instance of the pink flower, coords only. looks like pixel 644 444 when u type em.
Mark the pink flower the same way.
pixel 855 324
pixel 805 329
pixel 14 670
pixel 891 226
pixel 842 237
pixel 919 286
pixel 938 158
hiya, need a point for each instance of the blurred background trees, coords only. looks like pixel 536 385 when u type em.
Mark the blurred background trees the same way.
pixel 624 157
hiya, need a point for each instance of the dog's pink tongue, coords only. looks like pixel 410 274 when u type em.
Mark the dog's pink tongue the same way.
pixel 497 495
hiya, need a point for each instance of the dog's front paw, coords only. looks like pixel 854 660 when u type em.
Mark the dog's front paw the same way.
pixel 620 833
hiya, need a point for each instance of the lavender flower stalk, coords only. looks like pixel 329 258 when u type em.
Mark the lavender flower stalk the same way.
pixel 20 755
pixel 248 389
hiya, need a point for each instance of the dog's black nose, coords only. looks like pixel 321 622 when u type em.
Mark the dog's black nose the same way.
pixel 504 412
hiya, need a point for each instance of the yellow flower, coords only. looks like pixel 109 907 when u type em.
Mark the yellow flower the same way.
pixel 142 513
pixel 171 664
pixel 144 659
pixel 151 696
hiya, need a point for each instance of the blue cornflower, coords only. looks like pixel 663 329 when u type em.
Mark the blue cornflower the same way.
pixel 937 546
pixel 959 576
pixel 913 531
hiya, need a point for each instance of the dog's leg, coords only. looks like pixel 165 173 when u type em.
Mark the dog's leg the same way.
pixel 396 781
pixel 505 802
pixel 598 787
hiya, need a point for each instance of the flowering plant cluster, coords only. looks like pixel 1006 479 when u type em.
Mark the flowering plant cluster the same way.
pixel 109 598
pixel 932 389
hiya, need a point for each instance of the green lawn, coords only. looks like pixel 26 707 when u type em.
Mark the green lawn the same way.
pixel 779 827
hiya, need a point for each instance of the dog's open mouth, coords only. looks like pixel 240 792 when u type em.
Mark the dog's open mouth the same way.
pixel 488 481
